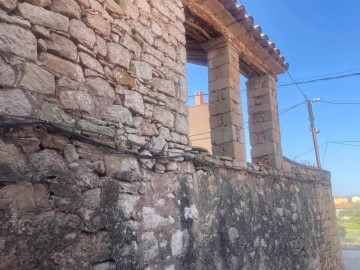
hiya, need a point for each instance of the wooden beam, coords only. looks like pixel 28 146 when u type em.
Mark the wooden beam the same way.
pixel 244 43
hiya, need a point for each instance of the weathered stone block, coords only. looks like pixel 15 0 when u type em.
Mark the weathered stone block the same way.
pixel 134 101
pixel 263 149
pixel 91 62
pixel 117 113
pixel 37 79
pixel 181 124
pixel 164 116
pixel 62 47
pixel 142 70
pixel 235 150
pixel 67 8
pixel 100 88
pixel 24 197
pixel 97 22
pixel 16 20
pixel 123 78
pixel 41 16
pixel 224 106
pixel 129 9
pixel 143 32
pixel 117 54
pixel 8 5
pixel 129 43
pixel 152 60
pixel 14 102
pixel 164 86
pixel 60 66
pixel 101 47
pixel 177 243
pixel 143 4
pixel 122 167
pixel 225 134
pixel 15 40
pixel 136 140
pixel 182 89
pixel 158 145
pixel 7 74
pixel 112 7
pixel 87 126
pixel 147 129
pixel 55 114
pixel 81 33
pixel 77 100
pixel 150 246
pixel 40 3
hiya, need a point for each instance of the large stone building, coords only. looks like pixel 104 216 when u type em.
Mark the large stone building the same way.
pixel 96 168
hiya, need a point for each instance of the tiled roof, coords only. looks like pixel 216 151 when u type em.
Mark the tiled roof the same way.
pixel 239 13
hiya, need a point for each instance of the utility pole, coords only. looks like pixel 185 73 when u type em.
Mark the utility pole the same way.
pixel 314 131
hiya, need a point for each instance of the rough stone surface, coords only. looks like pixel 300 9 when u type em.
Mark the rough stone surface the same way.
pixel 15 40
pixel 100 87
pixel 62 47
pixel 37 79
pixel 77 100
pixel 41 16
pixel 118 113
pixel 8 5
pixel 7 74
pixel 181 124
pixel 91 62
pixel 55 114
pixel 98 23
pixel 122 77
pixel 164 86
pixel 40 3
pixel 14 20
pixel 61 67
pixel 133 100
pixel 68 8
pixel 14 102
pixel 112 7
pixel 122 168
pixel 117 54
pixel 81 33
pixel 163 116
pixel 142 70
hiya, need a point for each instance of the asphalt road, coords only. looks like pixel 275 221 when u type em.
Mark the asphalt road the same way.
pixel 351 257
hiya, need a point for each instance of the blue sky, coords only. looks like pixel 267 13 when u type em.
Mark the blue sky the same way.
pixel 317 38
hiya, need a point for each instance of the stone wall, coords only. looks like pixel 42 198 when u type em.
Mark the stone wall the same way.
pixel 102 66
pixel 61 208
pixel 113 72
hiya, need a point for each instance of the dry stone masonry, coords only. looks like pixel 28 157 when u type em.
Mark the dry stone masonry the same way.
pixel 96 168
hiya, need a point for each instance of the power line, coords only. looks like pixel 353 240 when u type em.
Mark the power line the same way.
pixel 347 143
pixel 197 161
pixel 281 112
pixel 297 85
pixel 201 139
pixel 321 79
pixel 340 102
pixel 323 160
pixel 291 108
pixel 309 151
pixel 69 131
pixel 328 74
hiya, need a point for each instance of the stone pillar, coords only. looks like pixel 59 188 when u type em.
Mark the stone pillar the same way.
pixel 226 122
pixel 263 120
